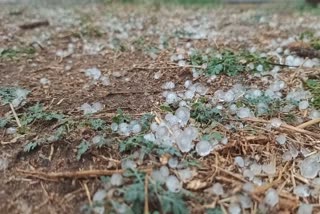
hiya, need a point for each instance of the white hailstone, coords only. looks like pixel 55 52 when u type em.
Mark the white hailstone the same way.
pixel 260 68
pixel 302 191
pixel 229 96
pixel 183 113
pixel 105 80
pixel 192 132
pixel 136 128
pixel 93 73
pixel 287 156
pixel 309 167
pixel 114 127
pixel 298 61
pixel 44 81
pixel 184 143
pixel 173 163
pixel 171 98
pixel 269 169
pixel 217 189
pixel 187 83
pixel 185 175
pixel 248 187
pixel 99 196
pixel 149 137
pixel 262 108
pixel 201 89
pixel 257 181
pixel 314 114
pixel 86 108
pixel 275 122
pixel 168 85
pixel 116 179
pixel 281 139
pixel 124 129
pixel 245 201
pixel 271 197
pixel 154 126
pixel 303 105
pixel 173 184
pixel 247 173
pixel 239 161
pixel 11 130
pixel 98 140
pixel 189 94
pixel 4 163
pixel 203 148
pixel 256 168
pixel 128 164
pixel 157 75
pixel 278 85
pixel 234 208
pixel 233 109
pixel 244 112
pixel 305 209
pixel 224 141
pixel 96 106
pixel 164 171
pixel 182 63
pixel 293 150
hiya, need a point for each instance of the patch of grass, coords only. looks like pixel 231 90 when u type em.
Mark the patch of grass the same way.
pixel 37 112
pixel 9 94
pixel 204 114
pixel 16 52
pixel 314 41
pixel 313 85
pixel 230 63
pixel 121 117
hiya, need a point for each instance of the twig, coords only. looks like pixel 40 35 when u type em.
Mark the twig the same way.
pixel 286 126
pixel 74 175
pixel 230 173
pixel 309 123
pixel 146 201
pixel 33 25
pixel 15 115
pixel 85 186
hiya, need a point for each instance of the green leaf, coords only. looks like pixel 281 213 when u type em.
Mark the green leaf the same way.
pixel 216 210
pixel 82 148
pixel 120 117
pixel 30 146
pixel 97 124
pixel 3 122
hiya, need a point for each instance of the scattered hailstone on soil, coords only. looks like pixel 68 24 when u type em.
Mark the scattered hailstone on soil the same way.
pixel 164 171
pixel 271 197
pixel 217 189
pixel 314 114
pixel 98 140
pixel 150 137
pixel 281 139
pixel 183 113
pixel 277 85
pixel 305 209
pixel 302 191
pixel 114 127
pixel 248 187
pixel 287 156
pixel 116 179
pixel 239 161
pixel 93 73
pixel 234 208
pixel 124 129
pixel 128 164
pixel 90 109
pixel 44 81
pixel 171 97
pixel 173 163
pixel 247 173
pixel 244 113
pixel 100 195
pixel 185 175
pixel 168 85
pixel 187 83
pixel 309 167
pixel 245 201
pixel 11 130
pixel 136 128
pixel 4 163
pixel 303 105
pixel 256 168
pixel 105 80
pixel 269 169
pixel 275 122
pixel 173 184
pixel 224 141
pixel 203 148
pixel 20 96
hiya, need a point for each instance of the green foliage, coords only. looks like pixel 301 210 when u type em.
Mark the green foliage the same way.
pixel 37 112
pixel 3 122
pixel 166 108
pixel 147 147
pixel 229 63
pixel 13 53
pixel 214 135
pixel 83 147
pixel 33 145
pixel 204 114
pixel 8 94
pixel 97 124
pixel 146 120
pixel 121 117
pixel 313 85
pixel 314 41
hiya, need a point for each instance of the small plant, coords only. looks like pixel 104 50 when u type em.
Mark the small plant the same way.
pixel 37 112
pixel 97 124
pixel 13 53
pixel 204 114
pixel 83 147
pixel 3 122
pixel 313 86
pixel 313 40
pixel 121 117
pixel 12 94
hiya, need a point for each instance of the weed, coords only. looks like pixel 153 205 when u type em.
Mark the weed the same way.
pixel 313 86
pixel 83 147
pixel 37 112
pixel 97 124
pixel 3 122
pixel 121 117
pixel 13 53
pixel 9 94
pixel 216 210
pixel 205 114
